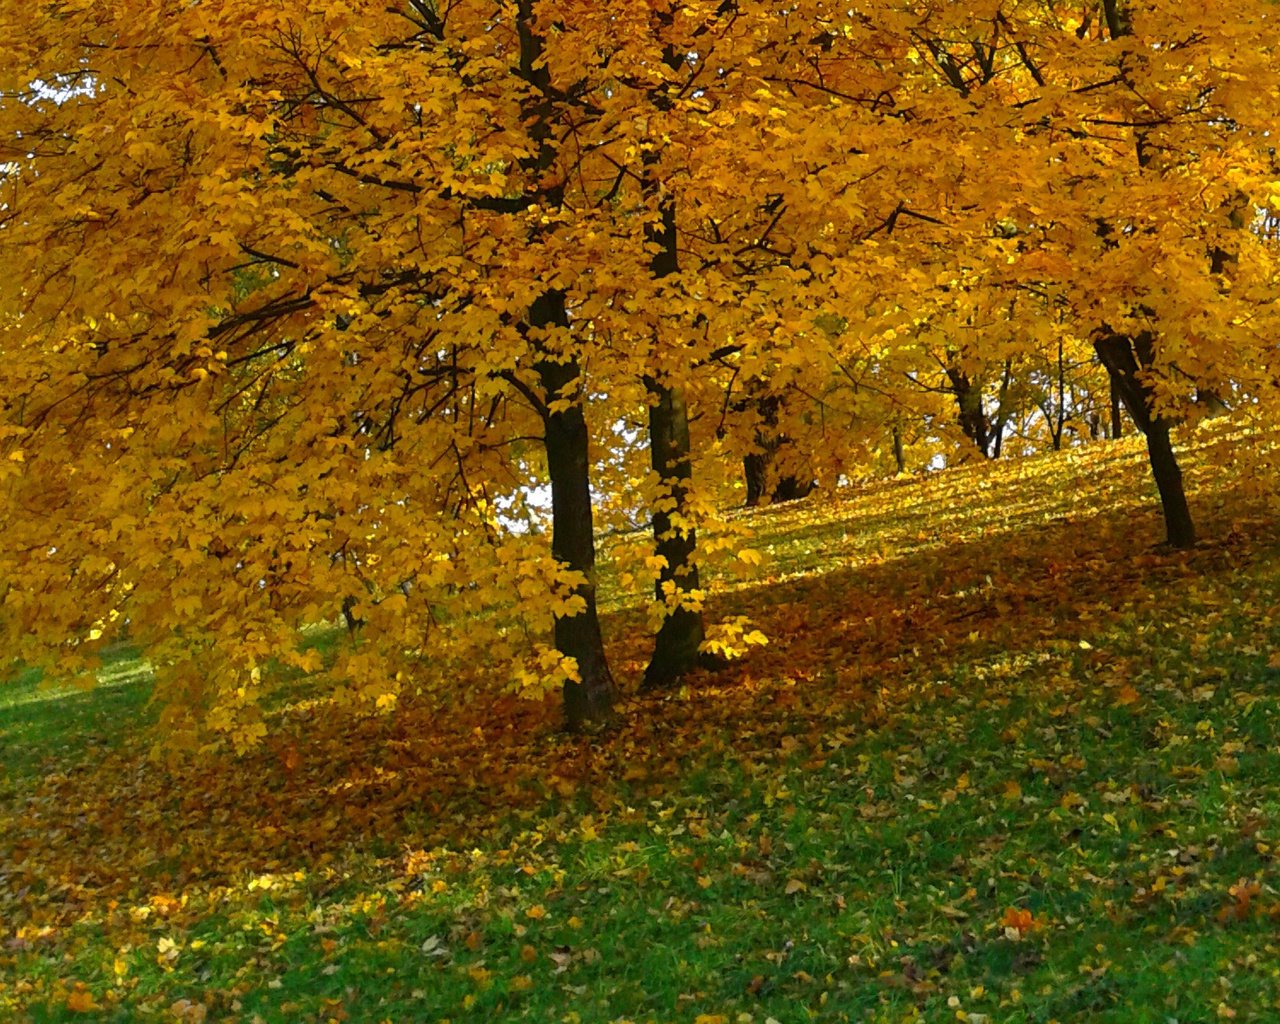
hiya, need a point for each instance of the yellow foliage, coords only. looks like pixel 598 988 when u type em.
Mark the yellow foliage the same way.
pixel 268 316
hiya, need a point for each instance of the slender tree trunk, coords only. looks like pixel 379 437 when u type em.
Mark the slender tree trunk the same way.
pixel 353 621
pixel 675 649
pixel 1061 424
pixel 1117 14
pixel 1125 358
pixel 590 701
pixel 973 418
pixel 1117 417
pixel 754 470
pixel 899 456
pixel 1002 412
pixel 1180 530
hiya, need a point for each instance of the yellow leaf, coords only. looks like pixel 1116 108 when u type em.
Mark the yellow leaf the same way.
pixel 80 1000
pixel 794 885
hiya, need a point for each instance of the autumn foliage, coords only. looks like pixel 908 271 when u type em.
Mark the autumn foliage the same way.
pixel 374 371
pixel 307 302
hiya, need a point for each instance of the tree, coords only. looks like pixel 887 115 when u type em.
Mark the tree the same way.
pixel 317 262
pixel 1110 143
pixel 304 298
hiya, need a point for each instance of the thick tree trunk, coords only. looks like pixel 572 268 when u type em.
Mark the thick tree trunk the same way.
pixel 590 701
pixel 1125 358
pixel 675 649
pixel 755 473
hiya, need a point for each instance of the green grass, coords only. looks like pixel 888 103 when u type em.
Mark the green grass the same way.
pixel 44 723
pixel 1090 740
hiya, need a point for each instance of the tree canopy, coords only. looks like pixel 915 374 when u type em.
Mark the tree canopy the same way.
pixel 303 302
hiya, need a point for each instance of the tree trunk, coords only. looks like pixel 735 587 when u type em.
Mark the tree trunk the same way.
pixel 1117 418
pixel 1180 530
pixel 590 701
pixel 899 456
pixel 1117 14
pixel 675 649
pixel 792 488
pixel 1211 402
pixel 973 417
pixel 1125 358
pixel 353 621
pixel 1002 412
pixel 754 470
pixel 756 467
pixel 1061 423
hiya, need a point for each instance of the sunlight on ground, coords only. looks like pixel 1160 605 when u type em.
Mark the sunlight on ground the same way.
pixel 130 673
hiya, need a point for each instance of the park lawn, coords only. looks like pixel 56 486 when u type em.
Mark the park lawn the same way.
pixel 1003 760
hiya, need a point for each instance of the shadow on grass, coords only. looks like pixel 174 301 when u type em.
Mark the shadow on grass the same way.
pixel 853 639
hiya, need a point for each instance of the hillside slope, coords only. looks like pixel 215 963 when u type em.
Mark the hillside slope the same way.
pixel 1003 759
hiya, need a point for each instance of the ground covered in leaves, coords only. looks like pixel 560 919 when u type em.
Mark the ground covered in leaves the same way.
pixel 1003 760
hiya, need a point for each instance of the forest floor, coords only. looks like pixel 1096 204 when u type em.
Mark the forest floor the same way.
pixel 1003 760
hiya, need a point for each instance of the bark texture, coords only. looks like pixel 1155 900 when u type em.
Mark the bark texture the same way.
pixel 588 702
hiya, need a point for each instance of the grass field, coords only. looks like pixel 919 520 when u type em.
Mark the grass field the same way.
pixel 1003 761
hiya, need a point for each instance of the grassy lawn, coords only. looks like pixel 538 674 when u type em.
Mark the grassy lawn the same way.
pixel 1002 761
